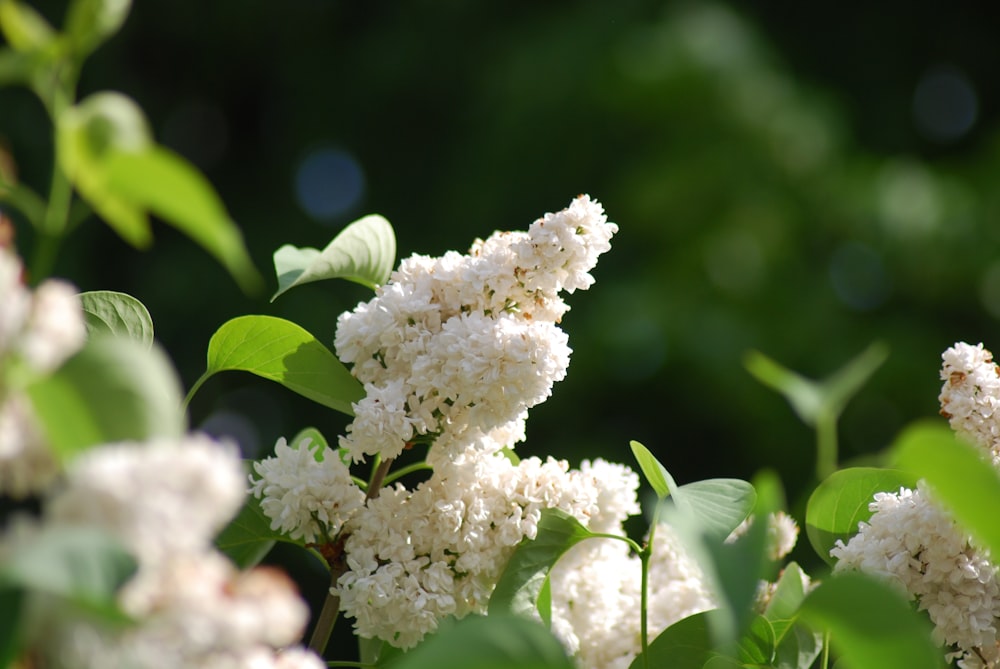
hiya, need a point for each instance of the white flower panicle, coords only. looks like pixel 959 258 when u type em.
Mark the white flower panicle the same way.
pixel 161 499
pixel 307 494
pixel 417 556
pixel 970 396
pixel 912 542
pixel 468 342
pixel 39 330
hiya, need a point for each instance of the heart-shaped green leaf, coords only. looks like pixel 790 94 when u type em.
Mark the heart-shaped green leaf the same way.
pixel 841 502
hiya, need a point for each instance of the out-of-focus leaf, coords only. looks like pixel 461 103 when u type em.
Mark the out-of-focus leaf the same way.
pixel 158 180
pixel 107 151
pixel 23 27
pixel 90 22
pixel 840 502
pixel 119 314
pixel 523 579
pixel 82 565
pixel 363 252
pixel 101 126
pixel 279 350
pixel 959 475
pixel 872 626
pixel 495 642
pixel 112 390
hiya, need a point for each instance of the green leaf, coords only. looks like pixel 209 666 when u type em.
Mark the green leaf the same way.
pixel 756 646
pixel 958 474
pixel 112 390
pixel 17 67
pixel 811 399
pixel 248 537
pixel 720 505
pixel 841 502
pixel 117 314
pixel 279 350
pixel 523 579
pixel 363 252
pixel 494 642
pixel 687 644
pixel 798 648
pixel 23 27
pixel 732 568
pixel 106 149
pixel 316 441
pixel 158 180
pixel 91 22
pixel 88 135
pixel 82 565
pixel 872 626
pixel 656 474
pixel 789 592
pixel 11 603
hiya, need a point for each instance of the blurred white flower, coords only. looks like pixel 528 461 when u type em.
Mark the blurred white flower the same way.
pixel 306 494
pixel 39 330
pixel 160 499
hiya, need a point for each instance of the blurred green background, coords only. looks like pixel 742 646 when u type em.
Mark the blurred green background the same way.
pixel 799 179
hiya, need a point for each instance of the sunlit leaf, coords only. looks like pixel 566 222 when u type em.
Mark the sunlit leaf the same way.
pixel 24 27
pixel 494 642
pixel 959 475
pixel 161 182
pixel 363 252
pixel 118 314
pixel 112 390
pixel 656 474
pixel 91 22
pixel 519 586
pixel 81 565
pixel 279 350
pixel 872 625
pixel 103 125
pixel 840 502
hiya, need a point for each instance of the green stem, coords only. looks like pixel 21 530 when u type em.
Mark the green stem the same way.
pixel 644 556
pixel 331 605
pixel 826 445
pixel 328 614
pixel 403 471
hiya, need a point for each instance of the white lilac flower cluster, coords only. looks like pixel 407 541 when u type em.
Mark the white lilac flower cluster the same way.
pixel 164 501
pixel 911 541
pixel 39 330
pixel 306 492
pixel 460 345
pixel 415 557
